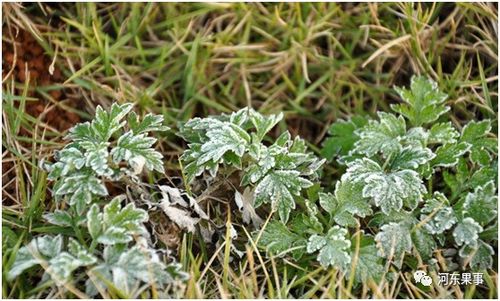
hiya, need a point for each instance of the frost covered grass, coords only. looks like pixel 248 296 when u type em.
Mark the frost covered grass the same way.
pixel 305 67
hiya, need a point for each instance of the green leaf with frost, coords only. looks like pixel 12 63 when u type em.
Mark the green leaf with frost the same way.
pixel 116 224
pixel 415 137
pixel 96 157
pixel 105 123
pixel 129 268
pixel 448 155
pixel 380 136
pixel 81 186
pixel 479 257
pixel 411 157
pixel 141 264
pixel 149 123
pixel 94 218
pixel 132 147
pixel 69 159
pixel 81 254
pixel 264 124
pixel 347 203
pixel 83 133
pixel 423 103
pixel 424 243
pixel 280 188
pixel 295 156
pixel 242 117
pixel 195 130
pixel 467 232
pixel 443 133
pixel 265 159
pixel 475 133
pixel 211 142
pixel 61 266
pixel 490 233
pixel 393 241
pixel 388 190
pixel 481 205
pixel 39 249
pixel 277 239
pixel 333 248
pixel 312 220
pixel 221 140
pixel 437 215
pixel 404 217
pixel 483 175
pixel 59 218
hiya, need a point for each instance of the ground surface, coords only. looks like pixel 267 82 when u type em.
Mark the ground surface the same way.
pixel 317 63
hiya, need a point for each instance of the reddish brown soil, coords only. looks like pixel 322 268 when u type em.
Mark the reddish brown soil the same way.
pixel 29 54
pixel 29 59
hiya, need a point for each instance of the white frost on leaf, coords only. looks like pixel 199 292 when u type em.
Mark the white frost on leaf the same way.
pixel 280 188
pixel 333 248
pixel 394 240
pixel 388 190
pixel 437 215
pixel 381 136
pixel 424 103
pixel 467 232
pixel 116 224
pixel 481 205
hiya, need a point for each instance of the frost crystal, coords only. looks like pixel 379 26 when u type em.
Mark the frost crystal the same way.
pixel 333 248
pixel 278 173
pixel 389 191
pixel 439 216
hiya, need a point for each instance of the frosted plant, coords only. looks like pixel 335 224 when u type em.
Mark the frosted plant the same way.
pixel 332 247
pixel 124 263
pixel 275 173
pixel 416 180
pixel 111 245
pixel 108 148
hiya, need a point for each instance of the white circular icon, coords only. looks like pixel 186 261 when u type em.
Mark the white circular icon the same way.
pixel 421 277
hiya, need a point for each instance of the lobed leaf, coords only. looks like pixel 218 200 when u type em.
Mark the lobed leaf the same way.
pixel 388 190
pixel 333 248
pixel 380 136
pixel 423 103
pixel 131 148
pixel 116 224
pixel 280 188
pixel 479 257
pixel 467 232
pixel 394 240
pixel 342 137
pixel 277 239
pixel 150 123
pixel 347 202
pixel 481 205
pixel 105 124
pixel 437 215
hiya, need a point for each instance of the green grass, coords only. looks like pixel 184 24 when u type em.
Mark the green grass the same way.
pixel 315 62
